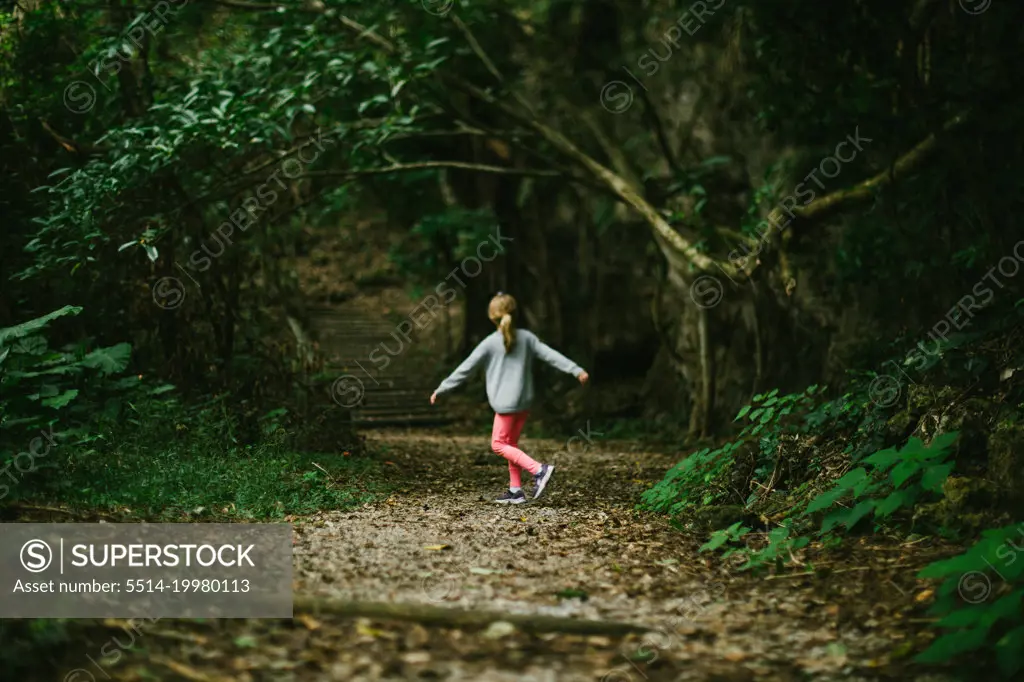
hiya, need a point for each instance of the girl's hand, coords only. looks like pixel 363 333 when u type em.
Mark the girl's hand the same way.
pixel 433 397
pixel 584 378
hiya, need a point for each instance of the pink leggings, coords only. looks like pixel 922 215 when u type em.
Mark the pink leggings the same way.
pixel 505 438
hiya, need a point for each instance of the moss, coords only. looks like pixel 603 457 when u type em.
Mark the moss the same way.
pixel 1006 456
pixel 717 517
pixel 966 506
pixel 921 396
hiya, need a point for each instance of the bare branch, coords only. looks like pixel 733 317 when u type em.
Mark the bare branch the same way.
pixel 675 246
pixel 428 165
pixel 829 204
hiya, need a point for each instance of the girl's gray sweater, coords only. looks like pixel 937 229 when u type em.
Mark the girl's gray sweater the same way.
pixel 509 375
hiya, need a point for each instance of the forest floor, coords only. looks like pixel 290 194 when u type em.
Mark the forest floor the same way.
pixel 582 550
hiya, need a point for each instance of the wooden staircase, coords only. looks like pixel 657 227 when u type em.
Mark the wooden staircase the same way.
pixel 398 395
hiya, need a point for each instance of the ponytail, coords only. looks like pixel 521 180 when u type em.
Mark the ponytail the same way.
pixel 500 311
pixel 508 332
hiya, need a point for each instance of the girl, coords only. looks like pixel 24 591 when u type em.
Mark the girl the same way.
pixel 508 354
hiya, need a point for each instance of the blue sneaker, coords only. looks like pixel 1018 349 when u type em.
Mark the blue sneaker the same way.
pixel 541 478
pixel 509 497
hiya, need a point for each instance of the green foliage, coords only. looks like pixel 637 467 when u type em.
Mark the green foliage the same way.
pixel 979 602
pixel 125 444
pixel 888 481
pixel 726 535
pixel 438 241
pixel 699 479
pixel 167 462
pixel 24 641
pixel 880 485
pixel 48 394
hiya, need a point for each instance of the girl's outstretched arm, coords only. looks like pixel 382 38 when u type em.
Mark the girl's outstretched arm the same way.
pixel 557 360
pixel 462 372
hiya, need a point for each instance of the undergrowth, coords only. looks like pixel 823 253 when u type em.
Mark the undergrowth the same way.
pixel 808 471
pixel 78 431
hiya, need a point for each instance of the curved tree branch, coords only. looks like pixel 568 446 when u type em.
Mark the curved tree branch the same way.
pixel 830 204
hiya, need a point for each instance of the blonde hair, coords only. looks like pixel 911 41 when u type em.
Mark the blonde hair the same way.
pixel 500 311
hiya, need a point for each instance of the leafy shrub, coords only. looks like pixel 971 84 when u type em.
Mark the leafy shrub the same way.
pixel 700 478
pixel 979 614
pixel 890 480
pixel 49 394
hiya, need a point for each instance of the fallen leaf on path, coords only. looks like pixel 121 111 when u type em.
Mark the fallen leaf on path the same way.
pixel 366 631
pixel 499 629
pixel 307 620
pixel 416 657
pixel 417 637
pixel 183 670
pixel 437 548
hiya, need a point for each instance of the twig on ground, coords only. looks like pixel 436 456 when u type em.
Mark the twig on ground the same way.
pixel 462 618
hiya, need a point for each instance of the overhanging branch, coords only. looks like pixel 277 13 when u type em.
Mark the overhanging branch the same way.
pixel 676 248
pixel 832 203
pixel 429 165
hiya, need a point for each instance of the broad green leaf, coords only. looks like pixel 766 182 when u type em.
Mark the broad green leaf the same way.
pixel 858 512
pixel 852 478
pixel 944 440
pixel 1007 606
pixel 1010 651
pixel 26 328
pixel 62 399
pixel 948 646
pixel 891 503
pixel 825 500
pixel 109 360
pixel 903 471
pixel 883 459
pixel 718 538
pixel 964 617
pixel 934 476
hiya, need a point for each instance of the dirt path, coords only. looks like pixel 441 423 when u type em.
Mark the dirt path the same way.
pixel 585 541
pixel 582 551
